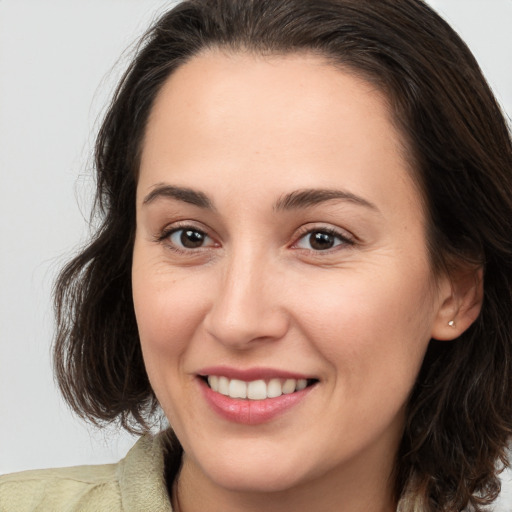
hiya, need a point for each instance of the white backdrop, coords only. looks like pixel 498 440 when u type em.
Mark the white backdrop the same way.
pixel 59 60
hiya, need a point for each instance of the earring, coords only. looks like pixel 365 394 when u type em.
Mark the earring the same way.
pixel 451 323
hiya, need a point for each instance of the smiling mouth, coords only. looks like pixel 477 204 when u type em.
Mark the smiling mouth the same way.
pixel 257 389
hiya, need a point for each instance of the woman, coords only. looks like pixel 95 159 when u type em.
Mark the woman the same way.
pixel 305 261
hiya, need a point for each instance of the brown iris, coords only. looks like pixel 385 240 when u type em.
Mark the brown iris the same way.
pixel 191 238
pixel 320 241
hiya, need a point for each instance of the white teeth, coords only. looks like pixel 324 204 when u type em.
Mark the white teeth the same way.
pixel 213 381
pixel 289 386
pixel 302 384
pixel 256 389
pixel 237 389
pixel 224 386
pixel 274 388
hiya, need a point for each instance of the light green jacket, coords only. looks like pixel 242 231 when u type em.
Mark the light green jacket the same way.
pixel 135 484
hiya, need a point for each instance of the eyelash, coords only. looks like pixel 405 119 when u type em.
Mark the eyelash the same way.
pixel 340 236
pixel 344 240
pixel 164 237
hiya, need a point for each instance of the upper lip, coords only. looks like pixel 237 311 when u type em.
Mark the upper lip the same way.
pixel 251 374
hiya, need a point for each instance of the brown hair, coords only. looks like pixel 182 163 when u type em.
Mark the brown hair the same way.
pixel 460 412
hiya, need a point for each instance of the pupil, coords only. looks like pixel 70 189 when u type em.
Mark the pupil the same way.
pixel 321 241
pixel 191 239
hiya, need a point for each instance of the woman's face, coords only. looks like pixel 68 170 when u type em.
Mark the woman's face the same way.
pixel 280 243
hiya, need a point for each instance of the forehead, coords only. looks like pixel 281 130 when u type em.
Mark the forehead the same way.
pixel 288 94
pixel 279 118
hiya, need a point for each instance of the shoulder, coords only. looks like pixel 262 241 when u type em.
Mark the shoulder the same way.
pixel 135 483
pixel 76 488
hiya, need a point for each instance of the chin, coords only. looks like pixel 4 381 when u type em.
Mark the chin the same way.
pixel 253 473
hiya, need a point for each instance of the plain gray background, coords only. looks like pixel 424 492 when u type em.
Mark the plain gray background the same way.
pixel 59 60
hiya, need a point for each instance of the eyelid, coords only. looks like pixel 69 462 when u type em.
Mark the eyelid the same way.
pixel 165 233
pixel 346 238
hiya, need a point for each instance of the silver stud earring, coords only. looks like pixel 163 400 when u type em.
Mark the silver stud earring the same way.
pixel 451 323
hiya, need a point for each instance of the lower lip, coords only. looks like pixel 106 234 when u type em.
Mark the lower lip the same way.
pixel 251 412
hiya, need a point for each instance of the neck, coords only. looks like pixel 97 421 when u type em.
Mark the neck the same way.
pixel 337 491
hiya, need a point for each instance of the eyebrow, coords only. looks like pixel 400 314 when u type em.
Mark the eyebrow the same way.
pixel 312 196
pixel 187 195
pixel 294 200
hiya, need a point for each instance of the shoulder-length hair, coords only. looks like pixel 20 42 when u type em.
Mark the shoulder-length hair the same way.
pixel 460 412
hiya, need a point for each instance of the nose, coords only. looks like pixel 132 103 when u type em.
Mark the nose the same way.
pixel 247 306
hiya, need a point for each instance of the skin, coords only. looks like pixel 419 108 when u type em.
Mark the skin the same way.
pixel 245 131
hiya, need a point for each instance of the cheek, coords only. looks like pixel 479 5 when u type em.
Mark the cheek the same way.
pixel 168 308
pixel 167 312
pixel 372 326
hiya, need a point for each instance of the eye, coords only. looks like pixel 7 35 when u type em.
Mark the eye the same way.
pixel 189 238
pixel 322 240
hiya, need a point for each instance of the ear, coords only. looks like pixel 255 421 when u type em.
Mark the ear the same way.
pixel 460 301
